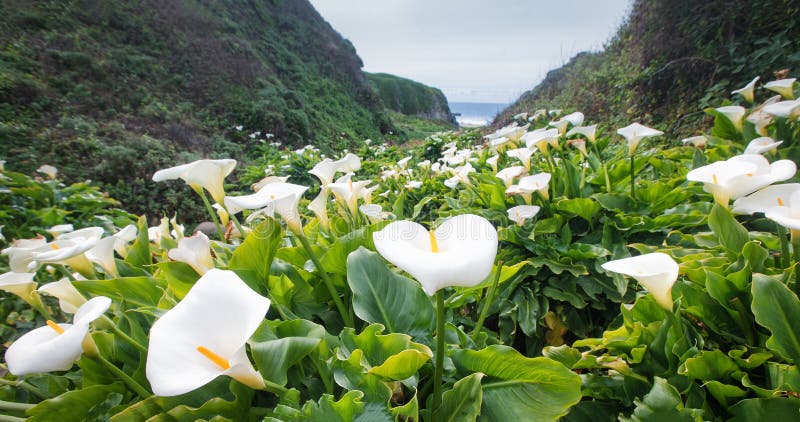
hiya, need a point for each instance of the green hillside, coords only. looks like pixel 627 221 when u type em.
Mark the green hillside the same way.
pixel 411 98
pixel 112 90
pixel 671 59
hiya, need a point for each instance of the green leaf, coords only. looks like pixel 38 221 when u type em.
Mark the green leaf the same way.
pixel 392 356
pixel 402 365
pixel 582 207
pixel 258 249
pixel 732 235
pixel 275 357
pixel 778 309
pixel 383 296
pixel 73 405
pixel 335 258
pixel 520 388
pixel 139 254
pixel 180 277
pixel 137 291
pixel 324 410
pixel 662 403
pixel 709 365
pixel 777 409
pixel 463 401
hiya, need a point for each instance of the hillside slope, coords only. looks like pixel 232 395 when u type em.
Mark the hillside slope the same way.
pixel 411 98
pixel 112 90
pixel 671 59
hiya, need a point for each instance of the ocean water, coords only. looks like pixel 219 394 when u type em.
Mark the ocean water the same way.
pixel 476 114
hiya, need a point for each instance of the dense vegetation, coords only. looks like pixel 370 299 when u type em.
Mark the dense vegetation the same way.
pixel 411 98
pixel 112 90
pixel 520 305
pixel 671 59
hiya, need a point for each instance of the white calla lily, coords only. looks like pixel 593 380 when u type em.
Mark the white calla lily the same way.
pixel 787 216
pixel 784 87
pixel 765 199
pixel 102 254
pixel 539 182
pixel 521 213
pixel 20 253
pixel 260 199
pixel 590 132
pixel 508 174
pixel 403 163
pixel 201 174
pixel 580 145
pixel 496 143
pixel 762 145
pixel 460 252
pixel 374 212
pixel 413 184
pixel 523 155
pixel 348 191
pixel 748 91
pixel 697 141
pixel 734 114
pixel 60 229
pixel 512 132
pixel 492 162
pixel 20 284
pixel 195 251
pixel 267 180
pixel 541 139
pixel 48 170
pixel 204 336
pixel 319 206
pixel 634 133
pixel 785 109
pixel 54 347
pixel 69 298
pixel 740 176
pixel 656 272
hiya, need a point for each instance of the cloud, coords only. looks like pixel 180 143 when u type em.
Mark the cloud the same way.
pixel 473 50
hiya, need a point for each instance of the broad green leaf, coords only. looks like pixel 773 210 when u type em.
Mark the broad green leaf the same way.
pixel 275 357
pixel 519 388
pixel 335 258
pixel 463 402
pixel 383 296
pixel 221 396
pixel 139 254
pixel 137 291
pixel 258 249
pixel 709 365
pixel 379 348
pixel 732 235
pixel 662 403
pixel 324 410
pixel 777 409
pixel 180 277
pixel 778 309
pixel 73 405
pixel 402 365
pixel 582 207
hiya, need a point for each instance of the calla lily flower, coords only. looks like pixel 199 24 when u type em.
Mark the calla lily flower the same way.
pixel 786 109
pixel 508 174
pixel 748 91
pixel 54 347
pixel 734 114
pixel 20 253
pixel 590 132
pixel 48 170
pixel 452 182
pixel 520 213
pixel 403 163
pixel 513 132
pixel 102 254
pixel 762 145
pixel 374 212
pixel 69 298
pixel 319 206
pixel 424 164
pixel 413 184
pixel 462 174
pixel 366 193
pixel 195 251
pixel 559 125
pixel 460 252
pixel 740 176
pixel 541 139
pixel 20 284
pixel 765 199
pixel 260 199
pixel 521 116
pixel 656 272
pixel 634 133
pixel 201 174
pixel 522 154
pixel 496 143
pixel 348 191
pixel 580 145
pixel 515 190
pixel 697 141
pixel 204 336
pixel 784 87
pixel 69 249
pixel 267 180
pixel 60 229
pixel 492 161
pixel 536 183
pixel 787 216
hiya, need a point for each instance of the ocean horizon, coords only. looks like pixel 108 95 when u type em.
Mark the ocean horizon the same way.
pixel 475 114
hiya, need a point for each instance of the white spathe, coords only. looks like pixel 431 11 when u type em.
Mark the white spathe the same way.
pixel 523 155
pixel 45 349
pixel 734 114
pixel 508 174
pixel 748 91
pixel 634 133
pixel 460 252
pixel 787 216
pixel 784 87
pixel 520 213
pixel 740 176
pixel 48 170
pixel 697 141
pixel 201 174
pixel 785 109
pixel 590 132
pixel 219 314
pixel 765 199
pixel 20 284
pixel 195 251
pixel 536 183
pixel 69 298
pixel 762 145
pixel 20 253
pixel 656 272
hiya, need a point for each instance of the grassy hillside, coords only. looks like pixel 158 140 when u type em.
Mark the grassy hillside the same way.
pixel 411 98
pixel 113 90
pixel 671 59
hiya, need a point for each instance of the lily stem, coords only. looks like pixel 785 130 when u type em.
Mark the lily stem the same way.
pixel 786 257
pixel 19 407
pixel 796 250
pixel 4 418
pixel 327 280
pixel 605 168
pixel 633 179
pixel 237 224
pixel 25 386
pixel 438 369
pixel 213 214
pixel 122 335
pixel 135 386
pixel 488 302
pixel 37 303
pixel 274 388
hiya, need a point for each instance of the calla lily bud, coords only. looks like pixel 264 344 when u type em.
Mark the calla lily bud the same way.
pixel 195 251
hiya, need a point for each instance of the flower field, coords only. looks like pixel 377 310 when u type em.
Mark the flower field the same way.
pixel 554 269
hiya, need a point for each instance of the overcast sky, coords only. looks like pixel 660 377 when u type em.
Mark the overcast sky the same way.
pixel 474 50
